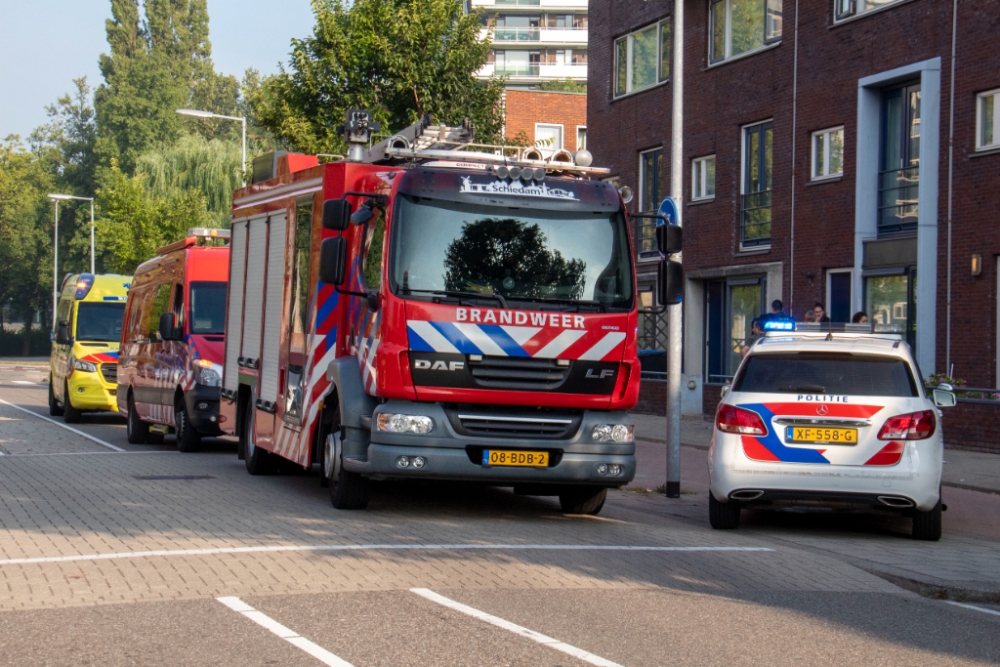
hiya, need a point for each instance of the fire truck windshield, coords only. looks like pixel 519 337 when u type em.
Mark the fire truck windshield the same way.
pixel 516 253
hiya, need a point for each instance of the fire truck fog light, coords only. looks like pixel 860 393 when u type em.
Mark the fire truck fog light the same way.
pixel 403 462
pixel 203 406
pixel 602 469
pixel 612 433
pixel 392 423
pixel 419 461
pixel 614 469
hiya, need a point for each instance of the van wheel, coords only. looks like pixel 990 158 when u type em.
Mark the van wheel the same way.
pixel 70 415
pixel 723 516
pixel 927 525
pixel 55 409
pixel 348 490
pixel 258 461
pixel 136 430
pixel 188 439
pixel 583 499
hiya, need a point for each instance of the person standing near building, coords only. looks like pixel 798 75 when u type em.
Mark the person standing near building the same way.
pixel 819 313
pixel 777 312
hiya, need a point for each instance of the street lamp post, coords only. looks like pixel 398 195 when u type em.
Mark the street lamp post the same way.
pixel 56 198
pixel 197 113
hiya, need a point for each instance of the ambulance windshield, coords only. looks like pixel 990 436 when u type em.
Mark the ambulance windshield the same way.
pixel 516 253
pixel 100 321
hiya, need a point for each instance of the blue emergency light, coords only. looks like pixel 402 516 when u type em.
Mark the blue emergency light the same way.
pixel 83 285
pixel 779 325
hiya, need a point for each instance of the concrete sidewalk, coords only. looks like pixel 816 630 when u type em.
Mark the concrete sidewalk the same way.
pixel 24 361
pixel 975 471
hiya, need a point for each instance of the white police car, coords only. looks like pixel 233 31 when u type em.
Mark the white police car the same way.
pixel 832 416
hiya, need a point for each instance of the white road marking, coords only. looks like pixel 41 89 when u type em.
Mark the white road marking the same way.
pixel 159 451
pixel 68 428
pixel 578 653
pixel 358 547
pixel 265 621
pixel 24 382
pixel 974 607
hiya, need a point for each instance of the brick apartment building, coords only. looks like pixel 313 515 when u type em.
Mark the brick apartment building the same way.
pixel 552 119
pixel 819 166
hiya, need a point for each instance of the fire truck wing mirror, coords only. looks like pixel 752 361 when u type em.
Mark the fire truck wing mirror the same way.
pixel 333 261
pixel 168 327
pixel 669 239
pixel 336 214
pixel 670 283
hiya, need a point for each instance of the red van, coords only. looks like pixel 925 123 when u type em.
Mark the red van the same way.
pixel 173 336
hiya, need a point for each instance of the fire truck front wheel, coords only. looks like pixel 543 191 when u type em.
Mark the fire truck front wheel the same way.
pixel 583 499
pixel 348 490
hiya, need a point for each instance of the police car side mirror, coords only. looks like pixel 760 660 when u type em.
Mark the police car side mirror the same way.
pixel 336 214
pixel 333 260
pixel 670 283
pixel 62 334
pixel 725 390
pixel 944 399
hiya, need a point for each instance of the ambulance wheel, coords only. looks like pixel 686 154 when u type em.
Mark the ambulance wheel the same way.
pixel 348 490
pixel 583 499
pixel 258 461
pixel 927 525
pixel 136 430
pixel 55 409
pixel 71 414
pixel 188 439
pixel 723 516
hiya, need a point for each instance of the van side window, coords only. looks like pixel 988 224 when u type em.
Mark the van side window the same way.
pixel 371 267
pixel 178 309
pixel 298 309
pixel 161 304
pixel 66 312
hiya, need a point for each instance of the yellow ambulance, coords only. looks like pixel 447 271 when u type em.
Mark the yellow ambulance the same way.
pixel 83 368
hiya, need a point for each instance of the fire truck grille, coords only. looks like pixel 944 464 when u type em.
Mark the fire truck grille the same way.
pixel 110 373
pixel 518 373
pixel 513 424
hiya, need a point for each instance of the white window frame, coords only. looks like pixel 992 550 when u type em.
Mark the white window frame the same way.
pixel 562 136
pixel 847 10
pixel 828 290
pixel 578 128
pixel 728 38
pixel 701 164
pixel 980 98
pixel 826 155
pixel 660 79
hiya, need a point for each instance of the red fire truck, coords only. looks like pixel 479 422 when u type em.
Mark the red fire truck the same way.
pixel 432 309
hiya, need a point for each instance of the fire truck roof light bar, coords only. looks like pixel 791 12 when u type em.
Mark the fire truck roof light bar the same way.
pixel 205 232
pixel 488 158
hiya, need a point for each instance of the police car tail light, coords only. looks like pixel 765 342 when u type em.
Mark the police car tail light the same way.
pixel 732 419
pixel 914 426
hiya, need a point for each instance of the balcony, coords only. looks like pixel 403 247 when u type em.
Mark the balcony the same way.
pixel 542 4
pixel 534 72
pixel 538 36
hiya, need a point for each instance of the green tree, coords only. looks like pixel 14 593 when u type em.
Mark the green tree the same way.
pixel 399 58
pixel 566 85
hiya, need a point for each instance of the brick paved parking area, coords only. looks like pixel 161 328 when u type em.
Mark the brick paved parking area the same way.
pixel 121 558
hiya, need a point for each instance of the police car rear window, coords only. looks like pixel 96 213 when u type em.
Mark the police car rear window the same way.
pixel 825 373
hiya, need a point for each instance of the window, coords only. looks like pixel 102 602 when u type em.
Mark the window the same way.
pixel 298 316
pixel 642 59
pixel 843 374
pixel 161 304
pixel 650 168
pixel 899 155
pixel 374 237
pixel 755 200
pixel 703 178
pixel 549 137
pixel 517 63
pixel 208 307
pixel 581 138
pixel 828 153
pixel 742 26
pixel 100 321
pixel 890 301
pixel 987 120
pixel 845 9
pixel 730 309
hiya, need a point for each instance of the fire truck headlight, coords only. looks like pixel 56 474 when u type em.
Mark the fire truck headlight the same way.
pixel 207 376
pixel 612 433
pixel 85 366
pixel 393 423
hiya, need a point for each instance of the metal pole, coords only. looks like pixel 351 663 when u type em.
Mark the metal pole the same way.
pixel 243 164
pixel 91 236
pixel 55 266
pixel 674 313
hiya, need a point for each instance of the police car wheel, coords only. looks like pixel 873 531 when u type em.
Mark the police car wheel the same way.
pixel 723 516
pixel 71 414
pixel 55 409
pixel 927 525
pixel 136 430
pixel 583 499
pixel 258 461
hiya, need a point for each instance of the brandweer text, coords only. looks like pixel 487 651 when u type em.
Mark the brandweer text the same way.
pixel 476 315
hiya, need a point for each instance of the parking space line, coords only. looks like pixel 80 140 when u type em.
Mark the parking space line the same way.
pixel 290 636
pixel 358 547
pixel 974 607
pixel 545 640
pixel 68 428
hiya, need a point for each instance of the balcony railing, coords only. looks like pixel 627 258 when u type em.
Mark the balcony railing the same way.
pixel 534 3
pixel 544 4
pixel 898 200
pixel 541 71
pixel 755 219
pixel 516 34
pixel 516 69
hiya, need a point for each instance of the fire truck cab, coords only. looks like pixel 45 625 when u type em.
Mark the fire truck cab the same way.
pixel 421 312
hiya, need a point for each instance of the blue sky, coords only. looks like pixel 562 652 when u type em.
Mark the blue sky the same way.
pixel 45 44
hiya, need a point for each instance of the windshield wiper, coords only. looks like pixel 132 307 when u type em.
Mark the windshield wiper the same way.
pixel 603 307
pixel 458 294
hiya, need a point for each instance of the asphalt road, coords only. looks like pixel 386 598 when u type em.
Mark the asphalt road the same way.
pixel 121 558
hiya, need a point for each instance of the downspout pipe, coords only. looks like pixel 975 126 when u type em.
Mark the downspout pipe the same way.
pixel 951 173
pixel 795 110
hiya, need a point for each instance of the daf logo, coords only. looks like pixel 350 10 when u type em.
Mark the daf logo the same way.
pixel 426 365
pixel 822 409
pixel 607 372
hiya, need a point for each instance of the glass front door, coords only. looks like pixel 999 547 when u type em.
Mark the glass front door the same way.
pixel 745 304
pixel 890 302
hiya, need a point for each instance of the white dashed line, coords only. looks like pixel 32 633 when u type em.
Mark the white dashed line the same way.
pixel 359 547
pixel 974 607
pixel 578 653
pixel 68 428
pixel 293 638
pixel 23 382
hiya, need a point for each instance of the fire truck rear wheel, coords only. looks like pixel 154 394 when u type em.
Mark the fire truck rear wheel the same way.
pixel 583 499
pixel 71 414
pixel 258 461
pixel 188 439
pixel 136 430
